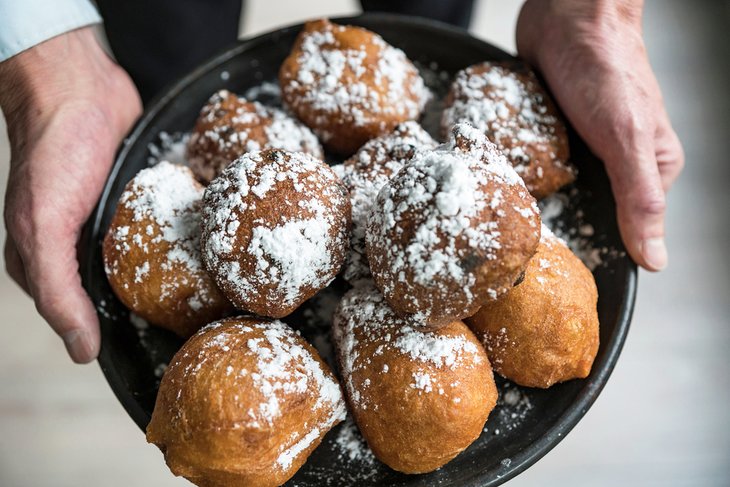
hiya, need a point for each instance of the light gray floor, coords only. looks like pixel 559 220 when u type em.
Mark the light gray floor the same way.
pixel 664 417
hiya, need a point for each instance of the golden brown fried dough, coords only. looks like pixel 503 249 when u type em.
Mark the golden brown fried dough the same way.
pixel 348 85
pixel 506 101
pixel 452 230
pixel 419 398
pixel 243 403
pixel 230 126
pixel 152 252
pixel 276 227
pixel 365 173
pixel 544 330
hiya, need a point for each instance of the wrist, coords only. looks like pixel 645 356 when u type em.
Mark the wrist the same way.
pixel 67 71
pixel 69 64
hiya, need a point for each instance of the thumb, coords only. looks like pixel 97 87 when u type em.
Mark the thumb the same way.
pixel 640 202
pixel 51 269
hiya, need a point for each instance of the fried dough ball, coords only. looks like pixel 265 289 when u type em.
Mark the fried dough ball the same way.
pixel 242 404
pixel 506 101
pixel 419 398
pixel 229 126
pixel 451 231
pixel 276 227
pixel 348 85
pixel 365 173
pixel 545 330
pixel 152 252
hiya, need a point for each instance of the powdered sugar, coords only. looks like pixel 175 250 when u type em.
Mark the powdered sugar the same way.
pixel 357 84
pixel 438 212
pixel 168 196
pixel 164 202
pixel 267 93
pixel 283 368
pixel 441 351
pixel 229 126
pixel 495 100
pixel 295 245
pixel 365 173
pixel 286 457
pixel 170 147
pixel 513 407
pixel 422 381
pixel 578 235
pixel 351 444
pixel 363 314
pixel 298 250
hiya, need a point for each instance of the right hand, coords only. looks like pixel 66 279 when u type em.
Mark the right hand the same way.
pixel 67 106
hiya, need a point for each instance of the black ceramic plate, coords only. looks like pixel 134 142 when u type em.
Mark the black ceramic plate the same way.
pixel 521 429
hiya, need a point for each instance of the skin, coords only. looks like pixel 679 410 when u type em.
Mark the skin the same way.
pixel 592 56
pixel 68 107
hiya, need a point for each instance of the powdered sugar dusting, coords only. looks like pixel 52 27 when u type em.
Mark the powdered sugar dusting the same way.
pixel 448 203
pixel 298 250
pixel 499 102
pixel 352 445
pixel 440 351
pixel 578 235
pixel 363 314
pixel 286 457
pixel 298 246
pixel 283 368
pixel 513 408
pixel 356 84
pixel 365 173
pixel 229 126
pixel 164 201
pixel 170 147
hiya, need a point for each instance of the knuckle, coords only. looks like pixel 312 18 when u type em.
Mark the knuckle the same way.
pixel 677 155
pixel 45 303
pixel 650 202
pixel 628 132
pixel 634 128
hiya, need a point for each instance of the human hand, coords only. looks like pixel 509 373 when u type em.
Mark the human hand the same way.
pixel 592 56
pixel 67 107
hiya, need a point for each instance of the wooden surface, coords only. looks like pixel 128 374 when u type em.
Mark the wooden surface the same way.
pixel 664 417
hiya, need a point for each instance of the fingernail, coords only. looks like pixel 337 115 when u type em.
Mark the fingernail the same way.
pixel 80 346
pixel 655 253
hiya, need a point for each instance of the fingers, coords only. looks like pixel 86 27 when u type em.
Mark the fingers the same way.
pixel 52 276
pixel 640 201
pixel 14 265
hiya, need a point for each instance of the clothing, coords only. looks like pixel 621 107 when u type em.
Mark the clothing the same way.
pixel 158 41
pixel 455 12
pixel 25 23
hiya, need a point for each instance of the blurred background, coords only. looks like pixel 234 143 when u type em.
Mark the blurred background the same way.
pixel 662 420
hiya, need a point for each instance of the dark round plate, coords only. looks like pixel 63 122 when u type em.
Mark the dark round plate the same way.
pixel 526 424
